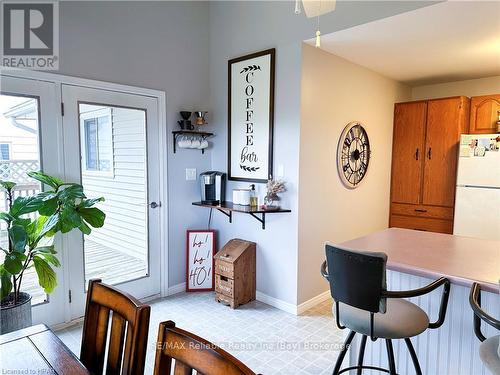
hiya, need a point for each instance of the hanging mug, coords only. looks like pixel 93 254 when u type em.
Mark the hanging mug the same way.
pixel 195 143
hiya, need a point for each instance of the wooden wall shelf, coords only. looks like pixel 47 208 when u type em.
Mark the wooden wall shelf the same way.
pixel 202 135
pixel 227 208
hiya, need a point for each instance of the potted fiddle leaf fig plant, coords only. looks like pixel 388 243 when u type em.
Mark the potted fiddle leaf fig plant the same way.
pixel 62 207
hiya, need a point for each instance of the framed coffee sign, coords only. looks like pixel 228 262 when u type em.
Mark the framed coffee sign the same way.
pixel 250 117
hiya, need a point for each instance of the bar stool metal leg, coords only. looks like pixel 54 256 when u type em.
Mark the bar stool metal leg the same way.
pixel 413 355
pixel 340 359
pixel 361 355
pixel 390 356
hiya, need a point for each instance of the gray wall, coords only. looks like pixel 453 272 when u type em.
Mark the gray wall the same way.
pixel 158 45
pixel 238 28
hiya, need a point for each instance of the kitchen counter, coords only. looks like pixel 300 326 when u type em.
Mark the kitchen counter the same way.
pixel 463 260
pixel 416 259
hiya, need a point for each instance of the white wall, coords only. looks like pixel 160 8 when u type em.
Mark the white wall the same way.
pixel 334 93
pixel 470 87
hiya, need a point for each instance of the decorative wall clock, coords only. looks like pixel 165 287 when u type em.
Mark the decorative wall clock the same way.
pixel 353 154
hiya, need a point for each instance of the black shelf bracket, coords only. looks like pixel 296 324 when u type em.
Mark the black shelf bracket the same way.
pixel 229 214
pixel 262 220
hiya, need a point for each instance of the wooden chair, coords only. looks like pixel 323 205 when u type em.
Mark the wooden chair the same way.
pixel 126 351
pixel 192 353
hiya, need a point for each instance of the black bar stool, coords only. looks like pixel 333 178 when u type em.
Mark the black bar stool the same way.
pixel 365 306
pixel 489 351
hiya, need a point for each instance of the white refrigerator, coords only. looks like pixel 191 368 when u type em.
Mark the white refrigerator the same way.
pixel 477 200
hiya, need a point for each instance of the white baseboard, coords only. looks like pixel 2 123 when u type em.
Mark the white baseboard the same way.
pixel 71 323
pixel 304 306
pixel 290 307
pixel 179 288
pixel 275 302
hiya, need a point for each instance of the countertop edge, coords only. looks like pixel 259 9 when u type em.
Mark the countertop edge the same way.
pixel 415 271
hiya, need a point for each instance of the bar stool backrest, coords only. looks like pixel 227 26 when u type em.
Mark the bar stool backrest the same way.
pixel 357 278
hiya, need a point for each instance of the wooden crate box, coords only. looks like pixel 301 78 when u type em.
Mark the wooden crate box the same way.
pixel 235 273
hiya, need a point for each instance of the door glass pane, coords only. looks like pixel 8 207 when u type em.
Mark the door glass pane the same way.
pixel 19 154
pixel 113 147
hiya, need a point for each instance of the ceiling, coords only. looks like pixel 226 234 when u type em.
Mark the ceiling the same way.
pixel 446 42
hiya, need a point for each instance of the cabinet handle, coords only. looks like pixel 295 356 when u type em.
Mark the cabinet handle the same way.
pixel 420 210
pixel 416 154
pixel 429 153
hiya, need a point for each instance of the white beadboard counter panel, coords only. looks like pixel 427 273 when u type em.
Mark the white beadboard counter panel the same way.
pixel 452 349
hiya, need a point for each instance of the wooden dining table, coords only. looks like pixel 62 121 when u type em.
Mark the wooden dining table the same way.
pixel 37 350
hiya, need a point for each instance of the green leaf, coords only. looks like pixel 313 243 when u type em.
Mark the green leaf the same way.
pixel 72 192
pixel 46 195
pixel 13 262
pixel 6 216
pixel 34 229
pixel 46 249
pixel 90 202
pixel 6 286
pixel 25 205
pixel 18 238
pixel 84 228
pixel 46 275
pixel 69 219
pixel 50 226
pixel 53 182
pixel 48 207
pixel 22 222
pixel 7 185
pixel 49 258
pixel 93 216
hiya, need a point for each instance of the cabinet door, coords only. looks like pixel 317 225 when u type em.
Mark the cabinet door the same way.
pixel 407 152
pixel 444 126
pixel 484 113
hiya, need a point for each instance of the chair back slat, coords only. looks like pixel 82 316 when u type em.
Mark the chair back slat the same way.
pixel 127 352
pixel 191 352
pixel 182 369
pixel 357 278
pixel 98 318
pixel 116 341
pixel 129 329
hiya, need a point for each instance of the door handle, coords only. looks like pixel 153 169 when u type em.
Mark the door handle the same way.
pixel 154 205
pixel 420 210
pixel 416 154
pixel 429 153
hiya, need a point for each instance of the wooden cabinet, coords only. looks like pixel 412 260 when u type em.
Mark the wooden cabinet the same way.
pixel 408 146
pixel 484 113
pixel 424 162
pixel 235 278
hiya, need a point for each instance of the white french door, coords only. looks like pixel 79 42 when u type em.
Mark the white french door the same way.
pixel 31 139
pixel 112 142
pixel 108 138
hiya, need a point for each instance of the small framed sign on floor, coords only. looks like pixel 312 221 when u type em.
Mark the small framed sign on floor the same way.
pixel 200 251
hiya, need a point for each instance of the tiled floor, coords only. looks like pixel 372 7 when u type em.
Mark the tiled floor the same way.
pixel 266 339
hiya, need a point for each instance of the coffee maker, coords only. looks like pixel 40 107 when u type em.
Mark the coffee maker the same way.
pixel 213 187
